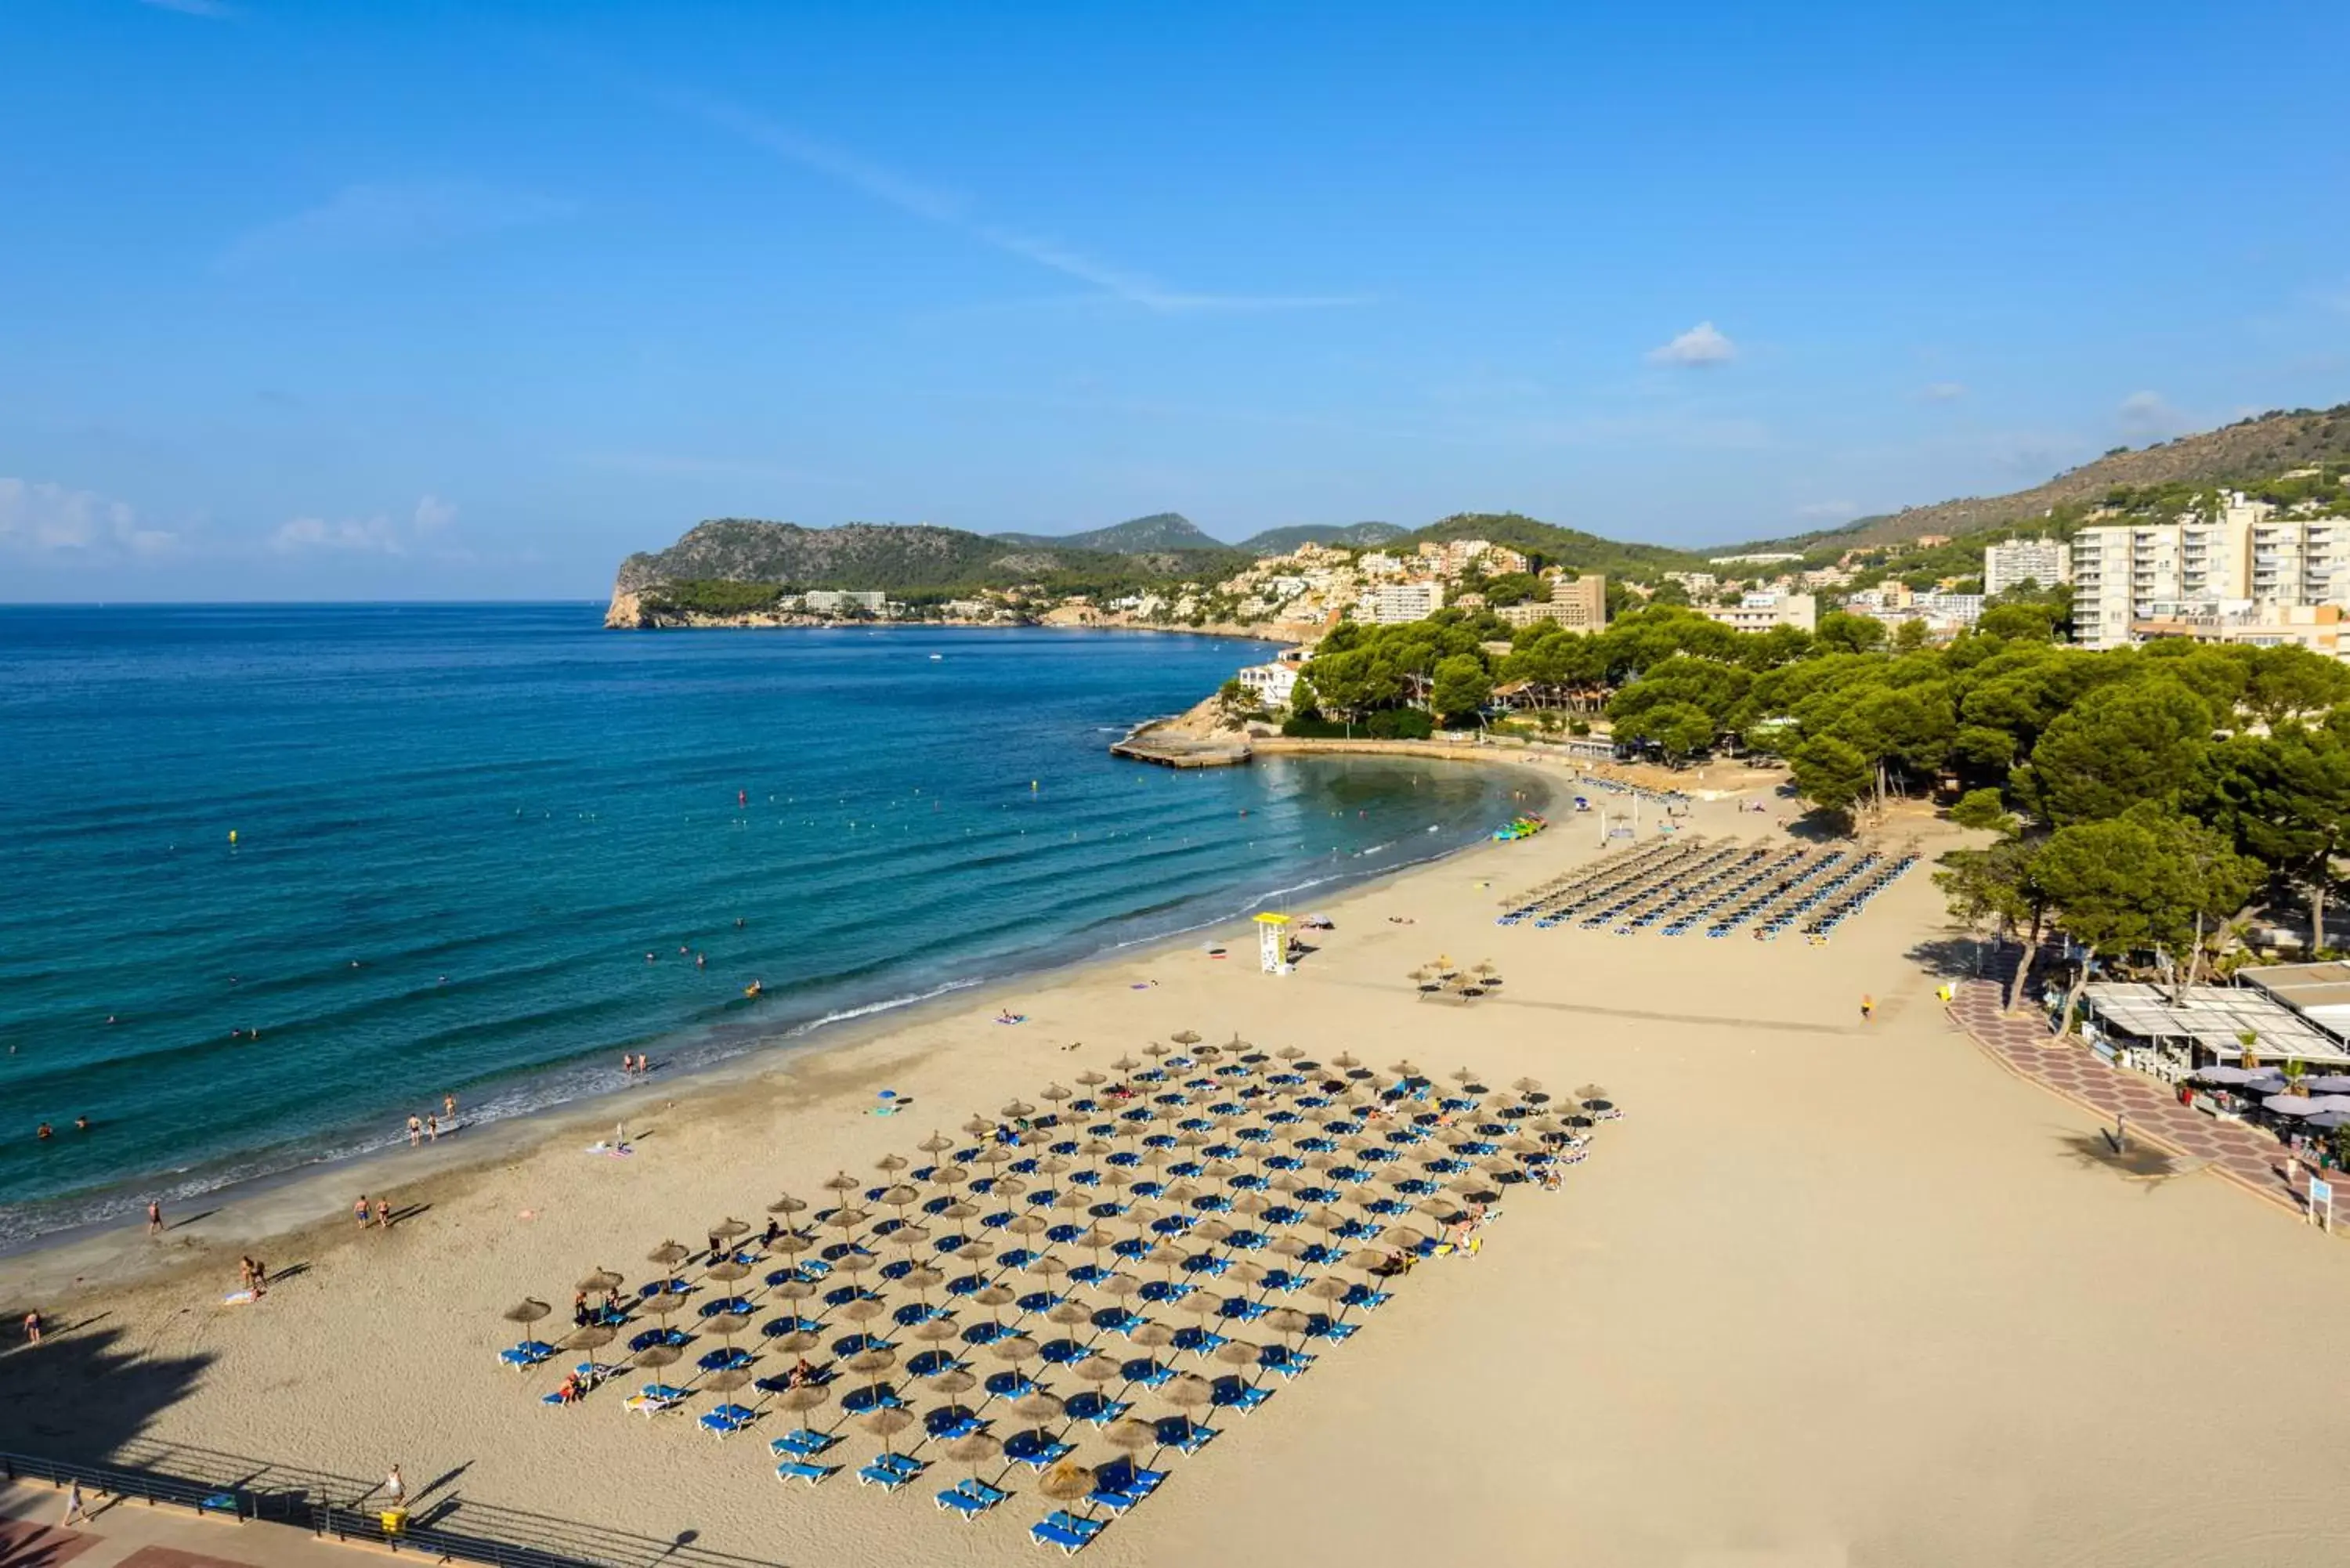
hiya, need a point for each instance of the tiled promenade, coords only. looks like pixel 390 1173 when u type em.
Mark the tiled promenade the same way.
pixel 2246 1156
pixel 127 1533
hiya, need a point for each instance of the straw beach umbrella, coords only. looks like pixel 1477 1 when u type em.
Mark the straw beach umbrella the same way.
pixel 787 1204
pixel 974 1449
pixel 886 1422
pixel 937 1143
pixel 602 1281
pixel 526 1312
pixel 669 1254
pixel 1066 1482
pixel 1131 1435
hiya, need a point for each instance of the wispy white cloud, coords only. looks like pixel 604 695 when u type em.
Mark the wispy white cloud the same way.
pixel 390 217
pixel 50 522
pixel 2151 414
pixel 379 535
pixel 1701 344
pixel 433 514
pixel 211 10
pixel 951 210
pixel 1941 392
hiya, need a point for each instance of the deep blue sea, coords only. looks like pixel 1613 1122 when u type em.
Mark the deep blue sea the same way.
pixel 460 830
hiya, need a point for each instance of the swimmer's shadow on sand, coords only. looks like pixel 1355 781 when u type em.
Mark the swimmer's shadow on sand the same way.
pixel 2139 1162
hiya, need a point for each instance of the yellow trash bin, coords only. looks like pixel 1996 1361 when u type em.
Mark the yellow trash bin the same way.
pixel 395 1521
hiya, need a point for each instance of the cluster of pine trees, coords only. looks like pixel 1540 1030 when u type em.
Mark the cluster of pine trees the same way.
pixel 2141 799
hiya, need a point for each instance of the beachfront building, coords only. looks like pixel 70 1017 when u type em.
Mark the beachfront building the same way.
pixel 2013 563
pixel 844 601
pixel 1391 604
pixel 1760 612
pixel 1580 604
pixel 1757 558
pixel 1273 684
pixel 2241 551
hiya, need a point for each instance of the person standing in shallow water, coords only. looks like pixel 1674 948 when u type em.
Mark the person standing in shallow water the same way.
pixel 154 1217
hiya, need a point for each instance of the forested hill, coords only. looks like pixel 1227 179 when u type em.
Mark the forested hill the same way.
pixel 1139 536
pixel 901 558
pixel 1569 547
pixel 1282 541
pixel 2236 455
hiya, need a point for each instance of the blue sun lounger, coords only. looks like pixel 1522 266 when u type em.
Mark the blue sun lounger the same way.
pixel 804 1444
pixel 801 1470
pixel 530 1352
pixel 971 1497
pixel 1065 1531
pixel 1035 1450
pixel 890 1471
pixel 1120 1486
pixel 727 1419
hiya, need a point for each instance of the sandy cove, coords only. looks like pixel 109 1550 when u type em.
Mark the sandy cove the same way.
pixel 1831 1294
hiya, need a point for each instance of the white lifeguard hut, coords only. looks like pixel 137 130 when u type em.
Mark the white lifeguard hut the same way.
pixel 1273 942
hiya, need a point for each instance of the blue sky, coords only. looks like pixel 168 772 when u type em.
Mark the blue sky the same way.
pixel 306 298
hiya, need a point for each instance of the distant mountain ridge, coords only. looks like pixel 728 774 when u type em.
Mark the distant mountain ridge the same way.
pixel 2234 454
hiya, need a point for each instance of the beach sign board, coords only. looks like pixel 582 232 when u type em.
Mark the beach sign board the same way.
pixel 2321 1202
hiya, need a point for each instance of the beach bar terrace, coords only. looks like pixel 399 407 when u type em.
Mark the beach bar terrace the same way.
pixel 2172 1025
pixel 2319 992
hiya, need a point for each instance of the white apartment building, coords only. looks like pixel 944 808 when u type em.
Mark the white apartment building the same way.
pixel 2015 562
pixel 2247 555
pixel 832 601
pixel 1272 683
pixel 1760 612
pixel 1391 604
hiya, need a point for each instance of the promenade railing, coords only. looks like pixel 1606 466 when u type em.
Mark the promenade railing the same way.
pixel 435 1522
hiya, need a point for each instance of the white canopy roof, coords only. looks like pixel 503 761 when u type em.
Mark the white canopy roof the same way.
pixel 2215 1018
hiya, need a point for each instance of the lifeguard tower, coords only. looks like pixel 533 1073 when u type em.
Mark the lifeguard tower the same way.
pixel 1273 942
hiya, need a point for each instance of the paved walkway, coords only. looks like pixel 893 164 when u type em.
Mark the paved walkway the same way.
pixel 2251 1158
pixel 125 1533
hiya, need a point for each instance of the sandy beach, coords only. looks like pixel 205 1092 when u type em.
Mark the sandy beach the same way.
pixel 1832 1293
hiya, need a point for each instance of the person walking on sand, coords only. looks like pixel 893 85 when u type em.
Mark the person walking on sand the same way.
pixel 76 1512
pixel 395 1488
pixel 1867 1007
pixel 383 1213
pixel 33 1328
pixel 360 1210
pixel 154 1217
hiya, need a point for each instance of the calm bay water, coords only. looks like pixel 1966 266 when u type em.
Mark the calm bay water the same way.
pixel 460 830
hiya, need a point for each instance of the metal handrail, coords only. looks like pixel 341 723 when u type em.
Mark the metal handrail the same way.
pixel 462 1532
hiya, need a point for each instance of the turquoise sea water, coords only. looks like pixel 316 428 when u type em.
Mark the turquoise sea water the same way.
pixel 460 830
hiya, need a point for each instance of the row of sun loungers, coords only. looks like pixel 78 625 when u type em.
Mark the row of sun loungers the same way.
pixel 1244 1166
